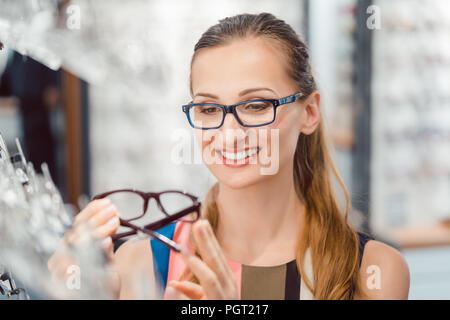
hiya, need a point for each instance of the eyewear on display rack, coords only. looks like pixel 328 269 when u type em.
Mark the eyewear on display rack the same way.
pixel 7 284
pixel 32 221
pixel 254 113
pixel 9 289
pixel 411 104
pixel 173 204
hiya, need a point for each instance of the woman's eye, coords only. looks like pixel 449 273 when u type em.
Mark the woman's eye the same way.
pixel 209 110
pixel 256 106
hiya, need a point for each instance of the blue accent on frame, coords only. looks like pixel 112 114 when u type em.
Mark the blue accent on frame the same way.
pixel 161 254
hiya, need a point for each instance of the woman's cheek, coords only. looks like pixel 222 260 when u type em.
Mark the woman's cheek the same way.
pixel 284 143
pixel 275 149
pixel 205 143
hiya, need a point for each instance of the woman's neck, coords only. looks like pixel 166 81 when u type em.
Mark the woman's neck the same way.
pixel 260 224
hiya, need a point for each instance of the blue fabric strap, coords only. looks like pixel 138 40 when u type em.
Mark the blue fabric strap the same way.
pixel 161 254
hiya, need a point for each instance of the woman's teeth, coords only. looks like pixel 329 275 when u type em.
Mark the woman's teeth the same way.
pixel 239 155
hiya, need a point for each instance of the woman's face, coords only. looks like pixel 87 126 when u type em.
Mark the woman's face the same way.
pixel 254 68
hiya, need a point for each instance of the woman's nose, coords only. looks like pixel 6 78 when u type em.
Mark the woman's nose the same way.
pixel 230 122
pixel 232 132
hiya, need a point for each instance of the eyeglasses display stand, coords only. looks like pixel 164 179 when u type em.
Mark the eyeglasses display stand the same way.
pixel 411 115
pixel 33 220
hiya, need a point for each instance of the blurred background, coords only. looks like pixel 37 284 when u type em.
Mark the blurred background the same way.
pixel 95 88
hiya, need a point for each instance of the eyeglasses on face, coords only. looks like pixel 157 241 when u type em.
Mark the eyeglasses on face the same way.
pixel 172 205
pixel 253 113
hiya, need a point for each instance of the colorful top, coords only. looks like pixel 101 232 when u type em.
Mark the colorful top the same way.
pixel 281 282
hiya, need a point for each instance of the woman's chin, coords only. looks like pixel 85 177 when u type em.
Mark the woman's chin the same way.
pixel 236 178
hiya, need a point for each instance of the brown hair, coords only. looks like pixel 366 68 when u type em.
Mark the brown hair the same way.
pixel 333 244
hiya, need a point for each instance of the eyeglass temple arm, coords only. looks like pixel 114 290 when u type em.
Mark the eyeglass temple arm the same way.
pixel 119 236
pixel 290 99
pixel 159 224
pixel 159 237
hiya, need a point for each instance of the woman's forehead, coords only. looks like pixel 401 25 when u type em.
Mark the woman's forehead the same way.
pixel 246 62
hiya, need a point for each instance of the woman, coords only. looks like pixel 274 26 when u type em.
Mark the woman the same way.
pixel 276 235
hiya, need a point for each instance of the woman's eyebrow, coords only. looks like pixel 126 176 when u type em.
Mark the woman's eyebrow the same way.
pixel 209 95
pixel 246 91
pixel 243 92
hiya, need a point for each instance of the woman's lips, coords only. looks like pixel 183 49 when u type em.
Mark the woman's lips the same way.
pixel 239 158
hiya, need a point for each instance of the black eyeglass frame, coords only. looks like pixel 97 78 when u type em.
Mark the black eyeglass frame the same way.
pixel 232 109
pixel 150 229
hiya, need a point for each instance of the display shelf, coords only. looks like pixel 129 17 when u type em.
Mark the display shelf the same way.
pixel 410 163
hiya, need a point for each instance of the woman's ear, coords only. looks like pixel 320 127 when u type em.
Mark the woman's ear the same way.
pixel 310 114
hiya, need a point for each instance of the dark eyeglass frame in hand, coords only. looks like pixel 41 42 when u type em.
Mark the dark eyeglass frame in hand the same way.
pixel 150 229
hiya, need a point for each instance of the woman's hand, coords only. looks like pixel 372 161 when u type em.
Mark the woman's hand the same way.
pixel 101 219
pixel 217 281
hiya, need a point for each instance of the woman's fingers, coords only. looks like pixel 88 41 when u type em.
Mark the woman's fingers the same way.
pixel 104 215
pixel 108 246
pixel 108 229
pixel 208 278
pixel 78 235
pixel 211 252
pixel 188 288
pixel 173 294
pixel 98 221
pixel 100 215
pixel 213 272
pixel 91 209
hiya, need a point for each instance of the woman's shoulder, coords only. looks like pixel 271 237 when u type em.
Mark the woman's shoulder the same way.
pixel 384 272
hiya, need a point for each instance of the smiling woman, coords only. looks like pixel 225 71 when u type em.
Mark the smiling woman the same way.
pixel 265 236
pixel 276 235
